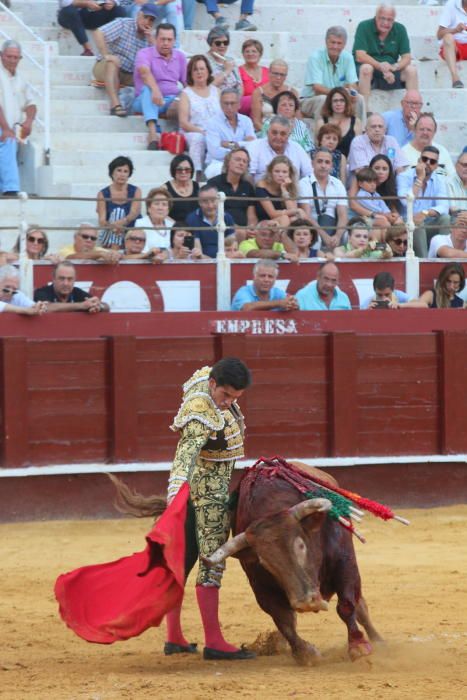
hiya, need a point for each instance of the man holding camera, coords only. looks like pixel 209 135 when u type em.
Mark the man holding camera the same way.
pixel 385 296
pixel 329 68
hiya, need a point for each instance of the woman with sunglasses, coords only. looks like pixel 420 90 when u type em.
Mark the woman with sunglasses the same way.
pixel 118 205
pixel 338 109
pixel 183 190
pixel 37 245
pixel 224 70
pixel 262 97
pixel 135 242
pixel 252 74
pixel 199 103
pixel 397 240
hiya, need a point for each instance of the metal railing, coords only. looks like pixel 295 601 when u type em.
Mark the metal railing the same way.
pixel 412 262
pixel 43 120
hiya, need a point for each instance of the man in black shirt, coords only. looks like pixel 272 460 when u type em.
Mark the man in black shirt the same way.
pixel 233 183
pixel 62 295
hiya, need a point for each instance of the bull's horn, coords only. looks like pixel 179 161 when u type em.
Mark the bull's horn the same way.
pixel 232 546
pixel 312 505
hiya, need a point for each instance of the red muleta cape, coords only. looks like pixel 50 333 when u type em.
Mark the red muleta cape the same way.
pixel 106 603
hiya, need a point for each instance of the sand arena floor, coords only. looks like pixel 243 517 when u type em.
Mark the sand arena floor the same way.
pixel 415 582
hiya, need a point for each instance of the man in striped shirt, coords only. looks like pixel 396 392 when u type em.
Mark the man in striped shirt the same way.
pixel 118 43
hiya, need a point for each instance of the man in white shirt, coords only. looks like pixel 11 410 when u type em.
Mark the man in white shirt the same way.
pixel 17 114
pixel 327 214
pixel 453 245
pixel 12 299
pixel 424 133
pixel 277 143
pixel 452 32
pixel 457 186
pixel 226 132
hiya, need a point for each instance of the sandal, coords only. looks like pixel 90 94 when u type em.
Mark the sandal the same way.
pixel 118 111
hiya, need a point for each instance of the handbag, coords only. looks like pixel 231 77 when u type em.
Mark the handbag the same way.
pixel 173 142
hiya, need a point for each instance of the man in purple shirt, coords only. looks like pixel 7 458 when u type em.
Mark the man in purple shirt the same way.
pixel 158 71
pixel 373 142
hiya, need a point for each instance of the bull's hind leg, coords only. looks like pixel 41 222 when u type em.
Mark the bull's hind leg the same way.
pixel 363 617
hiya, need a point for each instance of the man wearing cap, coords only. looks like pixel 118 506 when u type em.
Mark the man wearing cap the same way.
pixel 118 43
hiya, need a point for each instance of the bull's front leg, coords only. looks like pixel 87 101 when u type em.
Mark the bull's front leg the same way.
pixel 274 602
pixel 347 611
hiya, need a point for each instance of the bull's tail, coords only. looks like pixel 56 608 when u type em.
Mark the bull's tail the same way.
pixel 134 503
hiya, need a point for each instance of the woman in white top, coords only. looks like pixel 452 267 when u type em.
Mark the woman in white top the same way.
pixel 157 223
pixel 199 102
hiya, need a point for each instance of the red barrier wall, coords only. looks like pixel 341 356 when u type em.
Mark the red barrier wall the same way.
pixel 315 393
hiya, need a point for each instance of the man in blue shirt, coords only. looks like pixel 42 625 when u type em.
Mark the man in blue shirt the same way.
pixel 400 123
pixel 385 296
pixel 324 294
pixel 206 216
pixel 329 68
pixel 263 295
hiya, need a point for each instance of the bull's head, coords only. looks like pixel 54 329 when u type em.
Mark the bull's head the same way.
pixel 284 545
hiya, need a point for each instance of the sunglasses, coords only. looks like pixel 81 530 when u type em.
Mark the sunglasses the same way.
pixel 431 161
pixel 86 237
pixel 33 239
pixel 277 75
pixel 221 42
pixel 183 170
pixel 7 290
pixel 136 239
pixel 400 241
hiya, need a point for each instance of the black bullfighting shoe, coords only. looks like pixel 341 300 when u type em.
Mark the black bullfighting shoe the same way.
pixel 170 648
pixel 216 655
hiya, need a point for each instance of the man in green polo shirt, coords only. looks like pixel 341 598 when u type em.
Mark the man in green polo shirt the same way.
pixel 382 53
pixel 329 68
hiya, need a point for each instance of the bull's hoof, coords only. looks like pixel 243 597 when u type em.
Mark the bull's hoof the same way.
pixel 359 649
pixel 307 655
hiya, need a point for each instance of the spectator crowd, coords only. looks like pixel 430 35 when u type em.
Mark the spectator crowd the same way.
pixel 308 173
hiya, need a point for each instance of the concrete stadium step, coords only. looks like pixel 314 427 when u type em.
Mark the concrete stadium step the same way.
pixel 100 141
pixel 445 103
pixel 100 123
pixel 100 159
pixel 277 15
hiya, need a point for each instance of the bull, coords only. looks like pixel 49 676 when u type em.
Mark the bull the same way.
pixel 295 557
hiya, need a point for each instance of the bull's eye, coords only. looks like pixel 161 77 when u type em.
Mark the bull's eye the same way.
pixel 300 551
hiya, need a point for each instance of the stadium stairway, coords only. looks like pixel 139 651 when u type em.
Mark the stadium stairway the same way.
pixel 84 138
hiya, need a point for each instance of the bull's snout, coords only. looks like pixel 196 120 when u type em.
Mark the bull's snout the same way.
pixel 312 603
